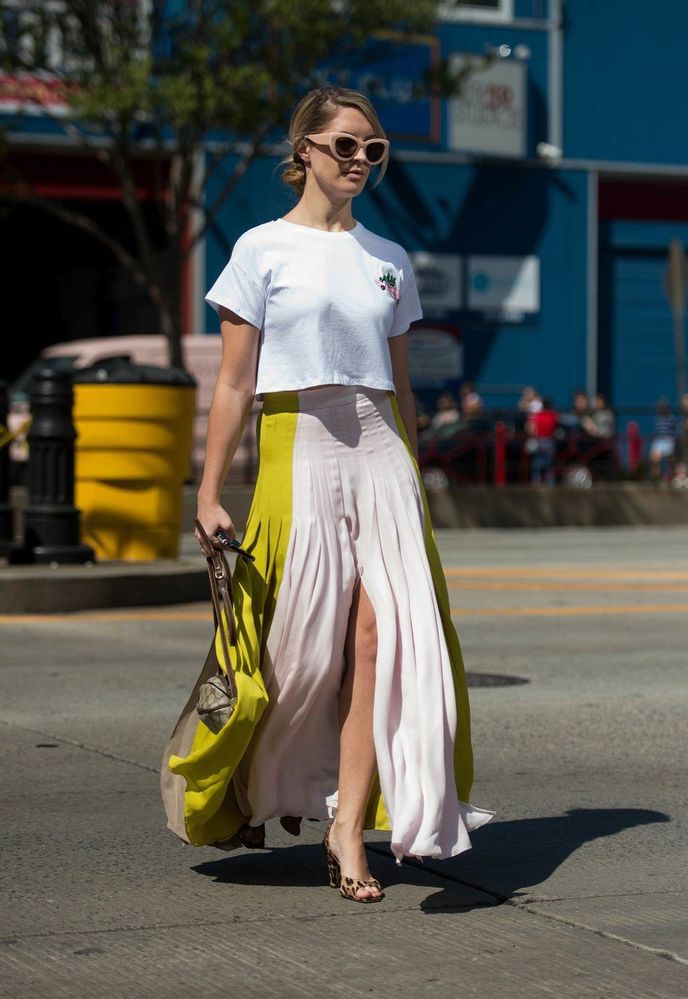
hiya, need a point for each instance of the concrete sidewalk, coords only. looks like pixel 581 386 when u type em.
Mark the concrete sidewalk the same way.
pixel 576 889
pixel 46 589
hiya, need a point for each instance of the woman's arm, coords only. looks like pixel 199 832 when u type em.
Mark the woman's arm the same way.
pixel 398 349
pixel 231 404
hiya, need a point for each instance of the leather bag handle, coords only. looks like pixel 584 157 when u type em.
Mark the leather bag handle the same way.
pixel 221 593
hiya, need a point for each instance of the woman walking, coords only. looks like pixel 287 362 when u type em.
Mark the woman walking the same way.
pixel 358 709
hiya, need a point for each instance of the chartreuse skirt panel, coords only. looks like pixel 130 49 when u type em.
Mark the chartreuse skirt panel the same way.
pixel 338 503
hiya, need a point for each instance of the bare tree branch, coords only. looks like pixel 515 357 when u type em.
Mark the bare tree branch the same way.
pixel 235 177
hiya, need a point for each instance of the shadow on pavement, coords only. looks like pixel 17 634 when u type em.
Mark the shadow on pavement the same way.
pixel 506 857
pixel 304 867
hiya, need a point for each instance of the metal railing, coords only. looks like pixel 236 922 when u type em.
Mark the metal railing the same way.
pixel 496 453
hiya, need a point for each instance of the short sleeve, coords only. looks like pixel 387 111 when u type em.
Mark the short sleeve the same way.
pixel 408 308
pixel 240 287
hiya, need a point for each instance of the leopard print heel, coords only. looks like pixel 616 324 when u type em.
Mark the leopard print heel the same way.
pixel 333 868
pixel 348 887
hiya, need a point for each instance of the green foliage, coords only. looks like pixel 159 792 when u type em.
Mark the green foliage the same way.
pixel 158 77
pixel 186 68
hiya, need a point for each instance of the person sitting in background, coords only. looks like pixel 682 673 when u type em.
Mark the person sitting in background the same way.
pixel 445 424
pixel 601 425
pixel 541 427
pixel 472 407
pixel 580 444
pixel 471 403
pixel 530 401
pixel 602 422
pixel 579 418
pixel 447 413
pixel 663 444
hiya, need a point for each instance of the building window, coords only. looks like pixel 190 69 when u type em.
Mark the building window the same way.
pixel 478 10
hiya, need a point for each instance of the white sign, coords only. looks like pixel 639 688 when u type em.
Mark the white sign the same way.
pixel 477 10
pixel 489 115
pixel 439 279
pixel 435 356
pixel 506 284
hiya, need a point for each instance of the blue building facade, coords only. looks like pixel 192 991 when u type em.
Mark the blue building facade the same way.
pixel 540 204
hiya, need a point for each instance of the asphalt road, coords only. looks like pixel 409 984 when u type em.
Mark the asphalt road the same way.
pixel 577 888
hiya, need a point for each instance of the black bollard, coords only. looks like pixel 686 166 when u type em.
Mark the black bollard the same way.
pixel 51 521
pixel 5 509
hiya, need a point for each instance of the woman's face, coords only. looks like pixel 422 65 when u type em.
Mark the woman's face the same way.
pixel 339 179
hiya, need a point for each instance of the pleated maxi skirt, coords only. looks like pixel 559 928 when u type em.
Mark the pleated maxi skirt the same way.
pixel 338 501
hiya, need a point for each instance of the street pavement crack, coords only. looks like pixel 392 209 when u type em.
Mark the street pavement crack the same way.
pixel 147 927
pixel 535 899
pixel 525 905
pixel 81 745
pixel 669 955
pixel 207 924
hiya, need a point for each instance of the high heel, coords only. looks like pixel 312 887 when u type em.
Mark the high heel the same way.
pixel 252 844
pixel 348 887
pixel 333 868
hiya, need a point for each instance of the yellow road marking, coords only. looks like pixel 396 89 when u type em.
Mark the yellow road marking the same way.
pixel 545 585
pixel 488 578
pixel 176 615
pixel 526 571
pixel 590 610
pixel 114 615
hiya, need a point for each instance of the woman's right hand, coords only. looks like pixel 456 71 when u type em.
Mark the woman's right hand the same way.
pixel 213 518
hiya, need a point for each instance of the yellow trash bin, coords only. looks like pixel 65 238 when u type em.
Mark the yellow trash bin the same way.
pixel 134 427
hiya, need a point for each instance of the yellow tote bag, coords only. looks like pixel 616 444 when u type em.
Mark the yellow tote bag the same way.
pixel 204 750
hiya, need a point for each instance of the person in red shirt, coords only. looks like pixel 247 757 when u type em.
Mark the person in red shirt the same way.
pixel 541 428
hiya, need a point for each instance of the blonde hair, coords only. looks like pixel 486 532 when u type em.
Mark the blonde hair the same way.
pixel 312 114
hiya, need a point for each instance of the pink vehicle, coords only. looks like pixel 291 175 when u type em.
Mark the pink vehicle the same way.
pixel 202 359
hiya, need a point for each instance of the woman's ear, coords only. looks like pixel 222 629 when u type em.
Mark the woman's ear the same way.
pixel 305 147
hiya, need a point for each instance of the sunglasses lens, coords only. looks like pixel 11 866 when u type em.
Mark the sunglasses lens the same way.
pixel 345 147
pixel 375 152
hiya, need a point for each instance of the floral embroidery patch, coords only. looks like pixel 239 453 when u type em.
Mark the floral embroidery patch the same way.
pixel 389 283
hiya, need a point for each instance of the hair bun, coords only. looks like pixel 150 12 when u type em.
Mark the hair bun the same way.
pixel 294 175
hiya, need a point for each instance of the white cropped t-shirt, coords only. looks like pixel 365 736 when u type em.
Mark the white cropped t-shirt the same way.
pixel 324 302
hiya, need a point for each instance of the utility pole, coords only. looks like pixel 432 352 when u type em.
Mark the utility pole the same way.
pixel 676 293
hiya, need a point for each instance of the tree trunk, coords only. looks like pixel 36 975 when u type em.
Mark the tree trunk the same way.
pixel 170 304
pixel 174 341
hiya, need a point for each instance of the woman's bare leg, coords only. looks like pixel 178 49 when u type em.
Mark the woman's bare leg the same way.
pixel 357 764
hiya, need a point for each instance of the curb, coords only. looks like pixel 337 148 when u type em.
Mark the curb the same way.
pixel 39 589
pixel 617 504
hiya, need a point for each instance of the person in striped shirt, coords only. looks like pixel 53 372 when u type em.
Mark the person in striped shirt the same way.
pixel 663 444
